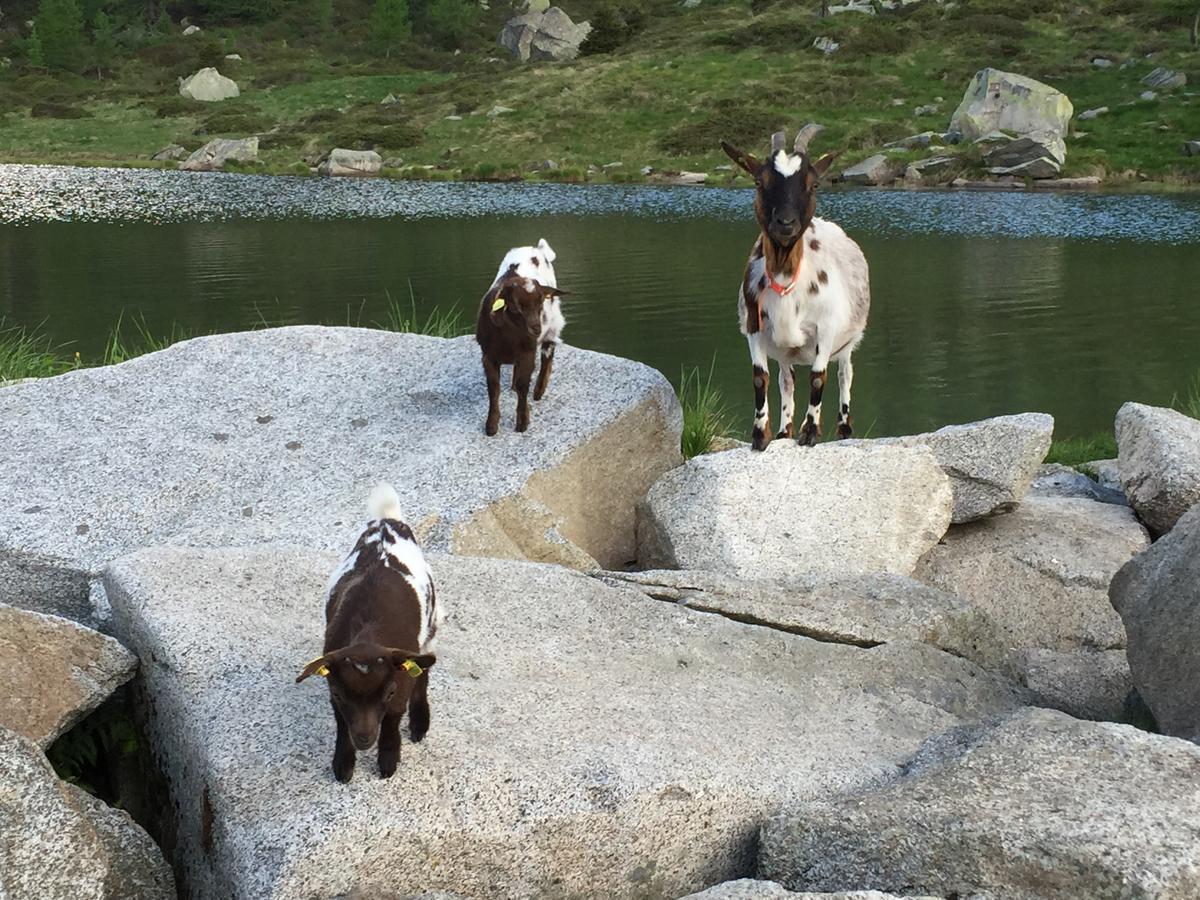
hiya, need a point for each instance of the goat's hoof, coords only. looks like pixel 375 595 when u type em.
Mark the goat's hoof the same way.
pixel 759 440
pixel 786 433
pixel 522 426
pixel 418 727
pixel 809 435
pixel 388 760
pixel 343 768
pixel 491 428
pixel 844 431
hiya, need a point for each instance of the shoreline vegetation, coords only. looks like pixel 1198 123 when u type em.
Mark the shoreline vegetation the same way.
pixel 708 423
pixel 655 89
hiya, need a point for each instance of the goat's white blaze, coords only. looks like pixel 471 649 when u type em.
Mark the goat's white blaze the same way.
pixel 786 164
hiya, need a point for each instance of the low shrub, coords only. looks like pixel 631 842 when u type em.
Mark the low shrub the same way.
pixel 736 121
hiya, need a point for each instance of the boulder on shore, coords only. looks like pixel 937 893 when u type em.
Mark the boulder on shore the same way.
pixel 1038 154
pixel 54 673
pixel 277 436
pixel 217 152
pixel 1042 571
pixel 351 163
pixel 836 508
pixel 1004 101
pixel 545 35
pixel 1157 594
pixel 208 86
pixel 1158 452
pixel 1041 807
pixel 60 843
pixel 874 170
pixel 563 710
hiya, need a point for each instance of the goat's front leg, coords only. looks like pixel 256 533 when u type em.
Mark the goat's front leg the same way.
pixel 543 379
pixel 787 399
pixel 810 432
pixel 761 436
pixel 389 744
pixel 845 379
pixel 522 375
pixel 491 370
pixel 418 710
pixel 343 750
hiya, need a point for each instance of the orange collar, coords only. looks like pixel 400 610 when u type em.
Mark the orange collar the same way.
pixel 778 288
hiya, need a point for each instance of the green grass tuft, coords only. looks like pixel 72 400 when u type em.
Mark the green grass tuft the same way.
pixel 28 354
pixel 404 319
pixel 1074 451
pixel 1189 402
pixel 125 344
pixel 705 416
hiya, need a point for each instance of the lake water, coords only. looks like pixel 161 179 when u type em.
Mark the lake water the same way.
pixel 983 303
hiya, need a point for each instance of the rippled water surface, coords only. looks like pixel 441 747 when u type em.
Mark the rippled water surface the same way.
pixel 982 302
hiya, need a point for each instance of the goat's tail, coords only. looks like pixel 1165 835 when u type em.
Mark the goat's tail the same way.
pixel 384 503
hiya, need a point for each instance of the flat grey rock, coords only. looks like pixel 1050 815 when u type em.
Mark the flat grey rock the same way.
pixel 1158 451
pixel 836 508
pixel 750 889
pixel 54 673
pixel 1057 480
pixel 1040 807
pixel 219 151
pixel 1086 684
pixel 991 463
pixel 1157 594
pixel 59 843
pixel 861 610
pixel 275 436
pixel 351 163
pixel 564 711
pixel 1042 571
pixel 873 170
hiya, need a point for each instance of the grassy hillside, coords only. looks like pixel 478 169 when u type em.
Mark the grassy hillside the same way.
pixel 679 81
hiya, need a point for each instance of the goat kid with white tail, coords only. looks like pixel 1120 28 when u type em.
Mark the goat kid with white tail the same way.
pixel 382 617
pixel 805 293
pixel 518 316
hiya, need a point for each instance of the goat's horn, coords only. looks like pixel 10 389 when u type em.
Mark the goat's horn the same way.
pixel 778 142
pixel 806 134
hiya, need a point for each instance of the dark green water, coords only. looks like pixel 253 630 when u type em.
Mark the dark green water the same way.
pixel 982 303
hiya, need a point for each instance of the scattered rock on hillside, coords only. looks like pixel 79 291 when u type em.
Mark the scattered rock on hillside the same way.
pixel 1004 101
pixel 1159 456
pixel 1042 571
pixel 290 423
pixel 351 163
pixel 1158 596
pixel 1101 63
pixel 749 889
pixel 991 463
pixel 1191 148
pixel 930 165
pixel 548 35
pixel 874 170
pixel 914 141
pixel 1056 480
pixel 826 45
pixel 498 110
pixel 836 509
pixel 190 30
pixel 1085 684
pixel 1092 113
pixel 208 85
pixel 219 151
pixel 59 843
pixel 858 6
pixel 170 152
pixel 1165 79
pixel 54 673
pixel 1041 807
pixel 861 610
pixel 547 808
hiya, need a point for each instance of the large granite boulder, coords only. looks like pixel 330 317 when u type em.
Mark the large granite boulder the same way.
pixel 836 508
pixel 563 711
pixel 54 673
pixel 1157 594
pixel 208 86
pixel 860 610
pixel 1093 685
pixel 1041 807
pixel 1158 451
pixel 351 163
pixel 991 463
pixel 1042 572
pixel 548 35
pixel 59 843
pixel 1004 101
pixel 219 151
pixel 277 436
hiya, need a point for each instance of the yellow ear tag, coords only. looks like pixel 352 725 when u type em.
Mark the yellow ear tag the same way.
pixel 323 671
pixel 497 305
pixel 412 668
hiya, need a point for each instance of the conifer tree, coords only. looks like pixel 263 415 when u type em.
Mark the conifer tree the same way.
pixel 390 24
pixel 60 29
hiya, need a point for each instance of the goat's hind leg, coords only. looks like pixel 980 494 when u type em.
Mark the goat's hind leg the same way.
pixel 761 436
pixel 845 380
pixel 810 431
pixel 389 745
pixel 543 379
pixel 523 374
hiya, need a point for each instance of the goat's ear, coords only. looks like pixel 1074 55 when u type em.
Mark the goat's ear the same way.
pixel 549 292
pixel 547 250
pixel 742 158
pixel 319 666
pixel 821 166
pixel 412 662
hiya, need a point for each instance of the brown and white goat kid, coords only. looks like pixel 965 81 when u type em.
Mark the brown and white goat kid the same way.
pixel 518 316
pixel 381 620
pixel 805 293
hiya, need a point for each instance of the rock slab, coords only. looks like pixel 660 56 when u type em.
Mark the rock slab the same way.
pixel 563 710
pixel 55 672
pixel 351 163
pixel 874 170
pixel 208 86
pixel 58 843
pixel 750 889
pixel 1057 480
pixel 277 436
pixel 1041 807
pixel 545 35
pixel 1158 596
pixel 219 151
pixel 1005 101
pixel 835 508
pixel 1158 452
pixel 1042 572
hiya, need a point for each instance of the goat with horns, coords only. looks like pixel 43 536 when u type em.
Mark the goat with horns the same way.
pixel 805 293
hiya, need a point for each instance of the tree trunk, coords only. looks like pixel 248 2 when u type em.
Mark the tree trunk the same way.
pixel 1196 29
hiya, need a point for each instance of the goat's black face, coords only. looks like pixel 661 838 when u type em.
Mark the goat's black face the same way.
pixel 786 197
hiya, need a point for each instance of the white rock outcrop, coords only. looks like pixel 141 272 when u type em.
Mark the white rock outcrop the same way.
pixel 208 86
